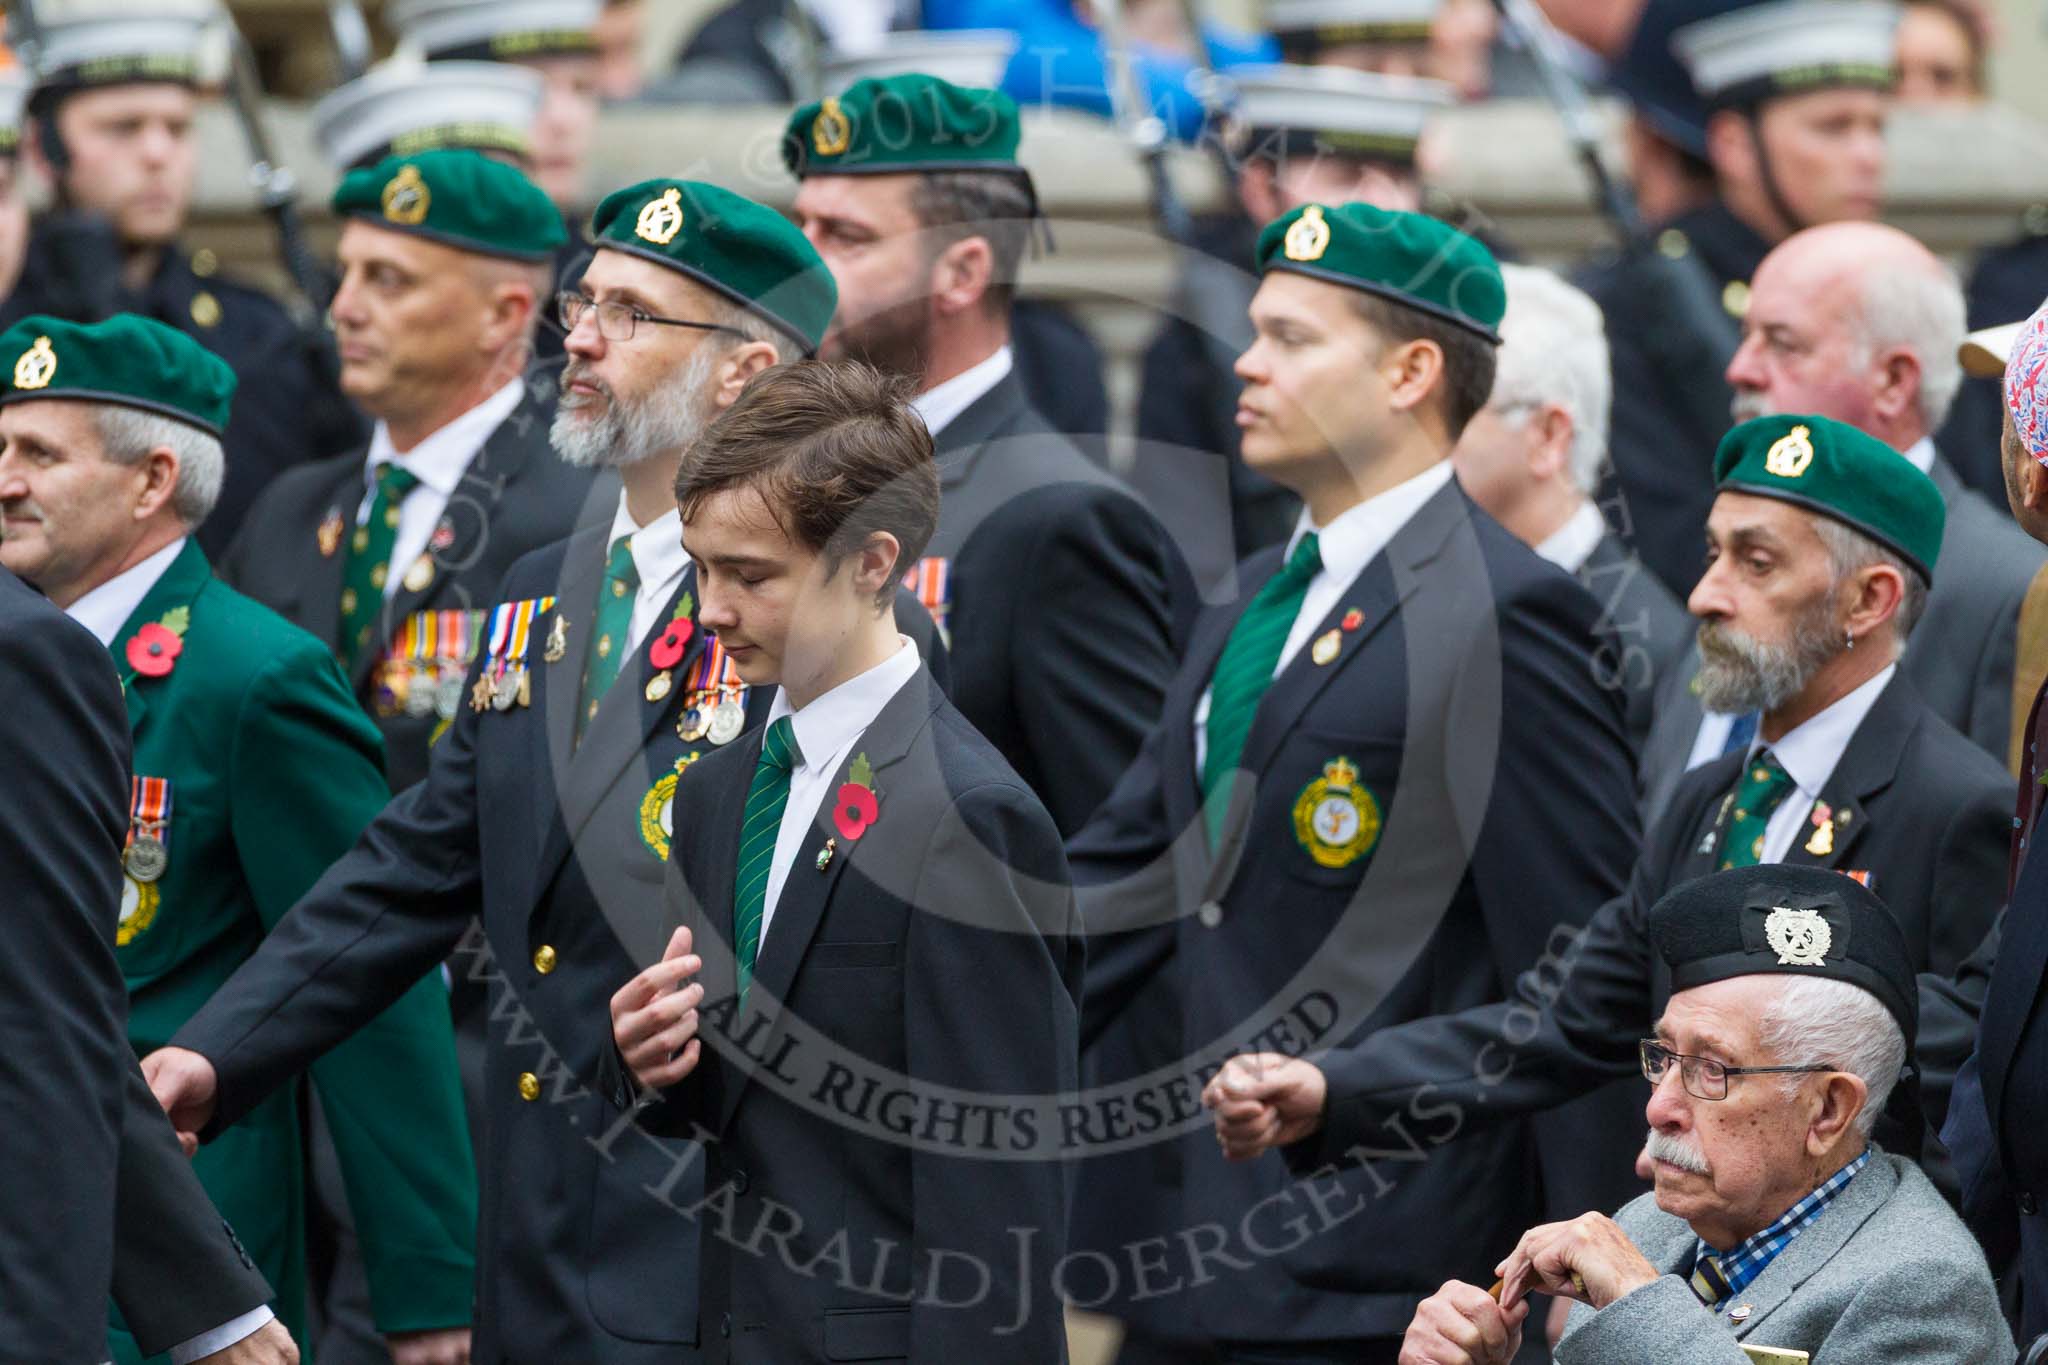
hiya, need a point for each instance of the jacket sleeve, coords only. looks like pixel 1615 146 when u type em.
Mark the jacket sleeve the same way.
pixel 1969 879
pixel 392 1093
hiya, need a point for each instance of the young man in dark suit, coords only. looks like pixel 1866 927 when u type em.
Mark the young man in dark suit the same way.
pixel 869 895
pixel 1364 764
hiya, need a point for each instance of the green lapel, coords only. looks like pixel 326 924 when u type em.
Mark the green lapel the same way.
pixel 182 582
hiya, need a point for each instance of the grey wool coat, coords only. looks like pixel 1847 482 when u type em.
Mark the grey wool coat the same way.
pixel 1887 1273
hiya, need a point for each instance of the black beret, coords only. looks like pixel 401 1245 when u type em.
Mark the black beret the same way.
pixel 1779 918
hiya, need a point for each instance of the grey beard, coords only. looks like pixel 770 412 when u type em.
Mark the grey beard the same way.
pixel 625 433
pixel 1739 673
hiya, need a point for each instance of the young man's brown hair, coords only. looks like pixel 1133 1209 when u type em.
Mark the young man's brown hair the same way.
pixel 835 450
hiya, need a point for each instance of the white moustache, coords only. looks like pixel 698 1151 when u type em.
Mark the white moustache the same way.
pixel 1667 1147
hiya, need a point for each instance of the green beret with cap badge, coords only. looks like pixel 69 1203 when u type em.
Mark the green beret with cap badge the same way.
pixel 457 197
pixel 907 122
pixel 1831 468
pixel 743 250
pixel 1409 258
pixel 129 360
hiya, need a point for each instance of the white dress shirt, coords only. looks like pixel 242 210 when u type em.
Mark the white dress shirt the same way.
pixel 826 731
pixel 1809 751
pixel 1347 545
pixel 1921 453
pixel 1572 544
pixel 941 403
pixel 105 609
pixel 658 557
pixel 439 461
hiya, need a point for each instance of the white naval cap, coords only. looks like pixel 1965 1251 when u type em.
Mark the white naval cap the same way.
pixel 1297 110
pixel 1984 352
pixel 14 88
pixel 1784 47
pixel 181 41
pixel 971 57
pixel 1352 21
pixel 403 106
pixel 494 30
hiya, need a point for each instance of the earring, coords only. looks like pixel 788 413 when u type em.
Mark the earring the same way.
pixel 1850 637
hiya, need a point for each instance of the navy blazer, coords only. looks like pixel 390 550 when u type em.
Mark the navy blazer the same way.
pixel 1462 699
pixel 912 981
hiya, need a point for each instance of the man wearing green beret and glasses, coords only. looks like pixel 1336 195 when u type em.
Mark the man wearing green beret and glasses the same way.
pixel 253 771
pixel 1821 546
pixel 546 806
pixel 1402 667
pixel 1061 595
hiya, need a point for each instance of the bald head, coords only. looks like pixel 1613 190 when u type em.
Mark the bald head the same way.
pixel 1855 321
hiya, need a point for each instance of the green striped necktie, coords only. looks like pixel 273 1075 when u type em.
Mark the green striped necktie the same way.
pixel 1245 671
pixel 766 797
pixel 369 562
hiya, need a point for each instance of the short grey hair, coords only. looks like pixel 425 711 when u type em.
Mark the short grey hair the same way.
pixel 1553 350
pixel 751 326
pixel 1923 312
pixel 1850 551
pixel 1817 1021
pixel 127 435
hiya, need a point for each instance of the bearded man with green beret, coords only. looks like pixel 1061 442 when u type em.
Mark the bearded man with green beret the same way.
pixel 546 807
pixel 1368 758
pixel 253 771
pixel 1822 543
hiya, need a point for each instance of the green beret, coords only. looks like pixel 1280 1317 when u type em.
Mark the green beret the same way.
pixel 1831 468
pixel 1785 919
pixel 1410 258
pixel 911 122
pixel 746 251
pixel 460 198
pixel 135 361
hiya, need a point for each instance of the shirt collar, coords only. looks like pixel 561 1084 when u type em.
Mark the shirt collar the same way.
pixel 1921 453
pixel 1572 544
pixel 1811 749
pixel 658 553
pixel 831 722
pixel 1354 536
pixel 105 609
pixel 441 458
pixel 1742 1265
pixel 941 403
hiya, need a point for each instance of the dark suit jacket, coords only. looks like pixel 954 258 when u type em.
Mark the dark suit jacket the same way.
pixel 1652 631
pixel 1464 699
pixel 516 496
pixel 1064 602
pixel 939 949
pixel 557 846
pixel 1960 656
pixel 97 1192
pixel 1918 808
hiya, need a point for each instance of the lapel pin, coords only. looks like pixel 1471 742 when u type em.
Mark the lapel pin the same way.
pixel 1326 646
pixel 1353 619
pixel 825 854
pixel 330 533
pixel 420 575
pixel 558 640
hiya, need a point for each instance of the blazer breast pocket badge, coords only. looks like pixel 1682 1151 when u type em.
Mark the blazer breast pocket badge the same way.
pixel 1336 818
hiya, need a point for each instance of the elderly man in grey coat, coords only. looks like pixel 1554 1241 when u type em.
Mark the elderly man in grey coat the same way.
pixel 1776 1230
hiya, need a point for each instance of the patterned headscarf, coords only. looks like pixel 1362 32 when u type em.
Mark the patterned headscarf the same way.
pixel 2026 384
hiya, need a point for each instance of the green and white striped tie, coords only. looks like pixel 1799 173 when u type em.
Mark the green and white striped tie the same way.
pixel 766 796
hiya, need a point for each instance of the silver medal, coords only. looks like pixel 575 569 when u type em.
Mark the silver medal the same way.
pixel 146 858
pixel 448 696
pixel 505 691
pixel 727 720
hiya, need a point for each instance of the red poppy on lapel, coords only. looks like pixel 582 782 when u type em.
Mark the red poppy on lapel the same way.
pixel 153 649
pixel 854 808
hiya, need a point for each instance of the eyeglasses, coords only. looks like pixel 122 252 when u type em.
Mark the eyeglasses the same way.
pixel 616 318
pixel 1702 1076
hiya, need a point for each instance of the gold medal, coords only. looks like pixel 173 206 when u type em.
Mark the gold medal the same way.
pixel 658 685
pixel 419 575
pixel 480 695
pixel 691 725
pixel 525 688
pixel 1326 646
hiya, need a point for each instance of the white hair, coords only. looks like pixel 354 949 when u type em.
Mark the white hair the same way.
pixel 127 435
pixel 1815 1021
pixel 1554 351
pixel 1923 312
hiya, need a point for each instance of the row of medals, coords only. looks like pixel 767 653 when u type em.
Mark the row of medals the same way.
pixel 429 692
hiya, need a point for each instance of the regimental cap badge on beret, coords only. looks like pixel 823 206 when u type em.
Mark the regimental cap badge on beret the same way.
pixel 406 197
pixel 1790 454
pixel 36 367
pixel 831 131
pixel 1309 237
pixel 1800 938
pixel 661 219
